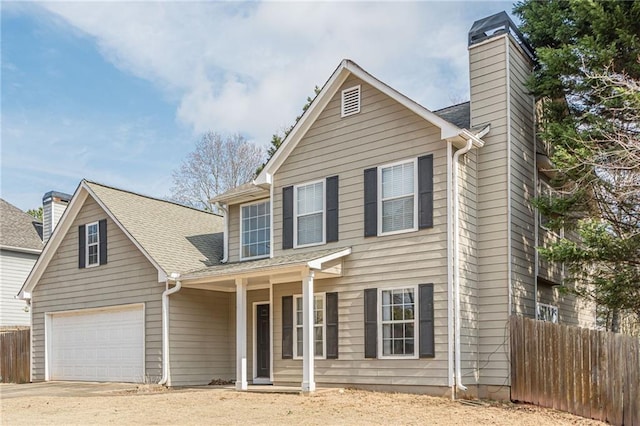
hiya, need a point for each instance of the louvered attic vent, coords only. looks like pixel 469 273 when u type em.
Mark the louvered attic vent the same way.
pixel 351 101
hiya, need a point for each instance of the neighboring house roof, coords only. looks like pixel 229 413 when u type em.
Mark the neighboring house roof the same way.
pixel 448 130
pixel 174 238
pixel 19 231
pixel 459 114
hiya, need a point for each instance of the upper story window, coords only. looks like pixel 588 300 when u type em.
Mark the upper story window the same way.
pixel 309 214
pixel 398 190
pixel 92 244
pixel 255 230
pixel 350 101
pixel 546 191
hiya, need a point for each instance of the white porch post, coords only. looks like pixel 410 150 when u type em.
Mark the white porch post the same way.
pixel 308 380
pixel 241 334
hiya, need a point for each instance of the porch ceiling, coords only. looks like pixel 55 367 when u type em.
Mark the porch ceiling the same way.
pixel 263 272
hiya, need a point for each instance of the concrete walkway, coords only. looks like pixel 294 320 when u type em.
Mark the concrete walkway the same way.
pixel 12 390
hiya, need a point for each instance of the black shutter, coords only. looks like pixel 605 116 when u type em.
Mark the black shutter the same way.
pixel 332 208
pixel 427 343
pixel 371 202
pixel 332 325
pixel 102 233
pixel 82 241
pixel 370 323
pixel 287 217
pixel 425 191
pixel 287 327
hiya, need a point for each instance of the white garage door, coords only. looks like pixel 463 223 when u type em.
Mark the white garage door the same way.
pixel 97 345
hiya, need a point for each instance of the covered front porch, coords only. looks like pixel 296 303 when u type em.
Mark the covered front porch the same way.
pixel 253 283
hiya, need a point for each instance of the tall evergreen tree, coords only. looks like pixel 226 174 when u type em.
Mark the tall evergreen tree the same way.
pixel 588 83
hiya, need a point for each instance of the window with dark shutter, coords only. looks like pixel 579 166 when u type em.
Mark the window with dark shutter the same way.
pixel 81 246
pixel 370 323
pixel 332 209
pixel 332 325
pixel 287 217
pixel 287 327
pixel 371 202
pixel 102 225
pixel 425 191
pixel 427 340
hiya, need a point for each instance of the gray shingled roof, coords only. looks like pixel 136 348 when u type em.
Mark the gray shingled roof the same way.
pixel 261 264
pixel 459 114
pixel 18 229
pixel 178 238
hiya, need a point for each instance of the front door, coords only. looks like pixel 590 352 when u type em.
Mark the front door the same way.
pixel 262 342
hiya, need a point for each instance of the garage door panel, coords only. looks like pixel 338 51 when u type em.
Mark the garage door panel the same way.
pixel 104 345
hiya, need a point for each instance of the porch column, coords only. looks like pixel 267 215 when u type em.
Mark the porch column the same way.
pixel 308 354
pixel 241 334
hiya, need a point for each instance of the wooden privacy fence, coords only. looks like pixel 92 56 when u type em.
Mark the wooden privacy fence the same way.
pixel 15 357
pixel 591 373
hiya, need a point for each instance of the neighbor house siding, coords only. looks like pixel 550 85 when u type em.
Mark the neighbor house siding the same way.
pixel 127 278
pixel 199 337
pixel 523 252
pixel 383 132
pixel 14 269
pixel 489 97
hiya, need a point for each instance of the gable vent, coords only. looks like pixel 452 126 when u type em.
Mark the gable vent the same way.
pixel 351 101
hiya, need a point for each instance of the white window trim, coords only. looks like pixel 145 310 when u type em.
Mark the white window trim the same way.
pixel 415 197
pixel 550 307
pixel 324 214
pixel 357 111
pixel 241 230
pixel 416 323
pixel 86 245
pixel 552 190
pixel 323 295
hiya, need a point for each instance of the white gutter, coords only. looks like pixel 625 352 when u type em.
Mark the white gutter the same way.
pixel 476 139
pixel 165 325
pixel 225 236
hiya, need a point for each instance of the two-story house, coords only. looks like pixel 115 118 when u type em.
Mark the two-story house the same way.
pixel 384 246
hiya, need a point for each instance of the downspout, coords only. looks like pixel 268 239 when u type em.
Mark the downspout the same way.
pixel 165 324
pixel 450 323
pixel 225 237
pixel 456 260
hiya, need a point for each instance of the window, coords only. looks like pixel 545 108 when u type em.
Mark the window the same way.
pixel 544 191
pixel 547 313
pixel 318 326
pixel 93 244
pixel 255 230
pixel 398 207
pixel 398 322
pixel 309 214
pixel 350 101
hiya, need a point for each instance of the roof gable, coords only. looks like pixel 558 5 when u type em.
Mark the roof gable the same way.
pixel 174 238
pixel 19 231
pixel 345 69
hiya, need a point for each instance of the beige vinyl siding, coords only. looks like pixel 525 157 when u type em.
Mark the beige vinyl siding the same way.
pixel 383 132
pixel 487 62
pixel 571 310
pixel 127 278
pixel 234 233
pixel 14 269
pixel 523 175
pixel 199 337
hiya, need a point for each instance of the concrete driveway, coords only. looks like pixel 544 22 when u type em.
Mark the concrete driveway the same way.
pixel 12 390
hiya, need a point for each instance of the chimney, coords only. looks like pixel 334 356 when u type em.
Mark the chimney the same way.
pixel 53 205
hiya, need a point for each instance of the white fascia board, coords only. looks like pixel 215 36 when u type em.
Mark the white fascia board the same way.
pixel 20 249
pixel 308 118
pixel 161 272
pixel 69 215
pixel 317 263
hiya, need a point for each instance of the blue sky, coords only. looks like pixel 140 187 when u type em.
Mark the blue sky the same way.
pixel 118 92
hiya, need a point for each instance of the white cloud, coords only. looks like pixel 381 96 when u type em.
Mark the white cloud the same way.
pixel 249 67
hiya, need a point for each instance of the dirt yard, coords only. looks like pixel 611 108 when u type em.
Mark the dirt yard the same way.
pixel 223 406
